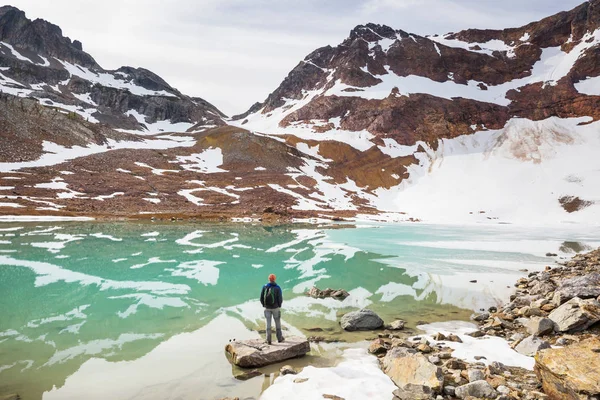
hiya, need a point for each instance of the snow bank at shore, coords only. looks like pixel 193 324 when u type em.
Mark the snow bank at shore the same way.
pixel 358 377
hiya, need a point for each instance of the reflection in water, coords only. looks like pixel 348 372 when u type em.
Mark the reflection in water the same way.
pixel 149 307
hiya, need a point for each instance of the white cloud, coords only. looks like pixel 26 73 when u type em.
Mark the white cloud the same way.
pixel 234 52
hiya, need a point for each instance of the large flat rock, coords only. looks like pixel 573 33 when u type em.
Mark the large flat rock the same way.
pixel 571 372
pixel 256 353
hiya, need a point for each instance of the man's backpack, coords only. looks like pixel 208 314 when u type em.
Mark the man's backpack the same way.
pixel 270 297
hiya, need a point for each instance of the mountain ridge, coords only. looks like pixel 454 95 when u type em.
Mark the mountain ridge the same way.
pixel 474 126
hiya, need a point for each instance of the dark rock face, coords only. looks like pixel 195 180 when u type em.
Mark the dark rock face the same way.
pixel 40 37
pixel 48 66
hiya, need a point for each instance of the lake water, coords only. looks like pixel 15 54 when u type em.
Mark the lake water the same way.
pixel 144 310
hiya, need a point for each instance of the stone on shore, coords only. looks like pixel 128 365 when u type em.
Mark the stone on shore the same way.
pixel 572 372
pixel 362 320
pixel 576 315
pixel 531 345
pixel 413 392
pixel 287 370
pixel 585 287
pixel 255 353
pixel 397 325
pixel 478 389
pixel 317 293
pixel 539 326
pixel 408 367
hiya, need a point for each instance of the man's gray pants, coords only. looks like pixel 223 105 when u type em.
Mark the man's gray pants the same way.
pixel 276 314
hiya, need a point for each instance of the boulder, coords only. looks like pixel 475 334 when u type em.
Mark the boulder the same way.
pixel 531 345
pixel 413 392
pixel 541 288
pixel 570 373
pixel 406 366
pixel 539 326
pixel 479 389
pixel 584 287
pixel 255 353
pixel 475 375
pixel 576 315
pixel 362 320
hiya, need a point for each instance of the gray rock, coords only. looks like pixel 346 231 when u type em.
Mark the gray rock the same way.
pixel 475 375
pixel 515 337
pixel 256 353
pixel 449 390
pixel 362 320
pixel 479 389
pixel 317 293
pixel 531 345
pixel 539 303
pixel 541 288
pixel 434 359
pixel 414 392
pixel 503 390
pixel 576 315
pixel 584 287
pixel 480 317
pixel 539 326
pixel 496 368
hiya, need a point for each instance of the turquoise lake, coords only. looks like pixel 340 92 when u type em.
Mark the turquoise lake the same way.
pixel 144 310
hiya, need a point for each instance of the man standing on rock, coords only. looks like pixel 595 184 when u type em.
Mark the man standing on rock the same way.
pixel 271 299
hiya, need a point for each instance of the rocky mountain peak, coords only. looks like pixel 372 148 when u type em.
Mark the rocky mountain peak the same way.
pixel 372 32
pixel 40 37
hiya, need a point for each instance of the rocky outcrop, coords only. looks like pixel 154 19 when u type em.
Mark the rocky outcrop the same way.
pixel 40 37
pixel 408 367
pixel 256 353
pixel 25 125
pixel 576 315
pixel 570 373
pixel 362 320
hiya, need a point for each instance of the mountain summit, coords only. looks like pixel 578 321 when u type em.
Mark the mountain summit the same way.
pixel 38 61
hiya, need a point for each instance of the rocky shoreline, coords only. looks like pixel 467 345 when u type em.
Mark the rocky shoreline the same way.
pixel 543 344
pixel 552 317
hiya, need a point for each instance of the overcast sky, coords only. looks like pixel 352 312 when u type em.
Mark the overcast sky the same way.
pixel 235 52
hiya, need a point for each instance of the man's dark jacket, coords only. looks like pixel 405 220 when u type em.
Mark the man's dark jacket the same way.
pixel 276 292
